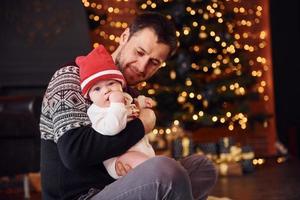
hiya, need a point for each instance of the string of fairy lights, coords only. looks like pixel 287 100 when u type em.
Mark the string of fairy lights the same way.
pixel 247 31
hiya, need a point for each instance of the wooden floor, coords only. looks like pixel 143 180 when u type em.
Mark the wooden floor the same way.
pixel 271 181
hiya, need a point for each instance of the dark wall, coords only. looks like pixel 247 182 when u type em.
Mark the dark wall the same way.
pixel 286 62
pixel 37 37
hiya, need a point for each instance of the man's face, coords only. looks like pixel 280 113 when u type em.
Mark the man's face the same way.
pixel 141 56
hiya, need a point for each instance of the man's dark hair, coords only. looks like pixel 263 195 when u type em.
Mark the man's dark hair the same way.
pixel 162 26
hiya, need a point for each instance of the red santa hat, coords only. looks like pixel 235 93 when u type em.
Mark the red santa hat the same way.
pixel 96 66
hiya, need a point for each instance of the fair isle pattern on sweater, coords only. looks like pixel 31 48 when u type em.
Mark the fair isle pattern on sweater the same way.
pixel 64 108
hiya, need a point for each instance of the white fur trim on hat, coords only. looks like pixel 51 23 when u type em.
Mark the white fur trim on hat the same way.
pixel 98 74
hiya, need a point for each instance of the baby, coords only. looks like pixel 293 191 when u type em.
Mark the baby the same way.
pixel 111 108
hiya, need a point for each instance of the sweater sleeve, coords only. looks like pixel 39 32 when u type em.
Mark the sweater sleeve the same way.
pixel 84 146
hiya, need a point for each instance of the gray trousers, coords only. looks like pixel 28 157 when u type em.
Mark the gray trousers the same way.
pixel 163 178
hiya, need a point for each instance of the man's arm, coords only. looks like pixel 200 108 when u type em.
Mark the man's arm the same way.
pixel 85 147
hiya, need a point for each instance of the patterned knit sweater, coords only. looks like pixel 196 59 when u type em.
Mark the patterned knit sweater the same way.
pixel 72 152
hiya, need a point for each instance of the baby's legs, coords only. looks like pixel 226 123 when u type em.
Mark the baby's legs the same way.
pixel 133 158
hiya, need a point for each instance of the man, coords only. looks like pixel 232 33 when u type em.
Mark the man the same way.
pixel 72 152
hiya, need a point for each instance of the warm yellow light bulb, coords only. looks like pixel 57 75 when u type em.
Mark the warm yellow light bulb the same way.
pixel 237 36
pixel 259 8
pixel 96 18
pixel 176 122
pixel 228 114
pixel 93 5
pixel 199 96
pixel 151 91
pixel 222 120
pixel 192 95
pixel 243 126
pixel 161 131
pixel 260 89
pixel 266 98
pixel 219 14
pixel 217 71
pixel 110 9
pixel 188 82
pixel 195 117
pixel 242 9
pixel 153 5
pixel 111 37
pixel 201 113
pixel 196 48
pixel 168 131
pixel 262 35
pixel 214 118
pixel 186 31
pixel 188 9
pixel 172 74
pixel 202 35
pixel 95 45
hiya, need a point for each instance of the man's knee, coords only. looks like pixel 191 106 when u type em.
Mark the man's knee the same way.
pixel 165 166
pixel 167 169
pixel 200 164
pixel 210 167
pixel 170 175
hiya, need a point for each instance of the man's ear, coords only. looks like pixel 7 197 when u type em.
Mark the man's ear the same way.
pixel 124 36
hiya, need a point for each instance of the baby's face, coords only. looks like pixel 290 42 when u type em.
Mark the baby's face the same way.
pixel 99 93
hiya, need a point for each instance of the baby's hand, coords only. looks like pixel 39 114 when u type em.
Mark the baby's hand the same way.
pixel 116 97
pixel 144 102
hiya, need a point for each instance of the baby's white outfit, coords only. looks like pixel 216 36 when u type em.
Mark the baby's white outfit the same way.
pixel 112 120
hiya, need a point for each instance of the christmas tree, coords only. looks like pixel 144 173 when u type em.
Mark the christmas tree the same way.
pixel 220 80
pixel 212 81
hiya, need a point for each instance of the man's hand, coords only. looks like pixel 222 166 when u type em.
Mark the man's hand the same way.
pixel 132 112
pixel 148 118
pixel 144 102
pixel 122 169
